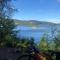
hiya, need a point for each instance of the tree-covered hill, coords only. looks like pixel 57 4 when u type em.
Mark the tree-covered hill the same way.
pixel 33 23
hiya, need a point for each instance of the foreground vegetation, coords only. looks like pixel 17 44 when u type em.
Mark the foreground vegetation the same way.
pixel 8 36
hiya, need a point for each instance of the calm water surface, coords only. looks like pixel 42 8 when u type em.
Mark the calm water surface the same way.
pixel 35 32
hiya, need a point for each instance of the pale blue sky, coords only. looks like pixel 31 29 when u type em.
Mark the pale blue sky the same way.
pixel 42 10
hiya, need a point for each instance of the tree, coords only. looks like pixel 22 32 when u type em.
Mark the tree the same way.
pixel 43 45
pixel 6 8
pixel 57 42
pixel 55 38
pixel 6 23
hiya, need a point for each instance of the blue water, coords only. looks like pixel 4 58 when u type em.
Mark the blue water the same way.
pixel 28 32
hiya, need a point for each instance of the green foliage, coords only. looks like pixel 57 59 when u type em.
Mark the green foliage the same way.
pixel 24 44
pixel 6 24
pixel 43 44
pixel 52 46
pixel 57 43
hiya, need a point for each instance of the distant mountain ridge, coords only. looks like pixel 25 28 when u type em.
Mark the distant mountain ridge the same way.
pixel 33 23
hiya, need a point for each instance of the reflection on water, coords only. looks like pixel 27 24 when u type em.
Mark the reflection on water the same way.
pixel 28 32
pixel 37 33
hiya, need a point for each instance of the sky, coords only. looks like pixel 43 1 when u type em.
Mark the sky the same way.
pixel 42 10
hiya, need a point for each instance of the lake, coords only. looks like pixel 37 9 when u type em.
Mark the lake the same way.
pixel 36 32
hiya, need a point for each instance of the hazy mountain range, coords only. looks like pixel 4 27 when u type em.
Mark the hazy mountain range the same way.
pixel 35 23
